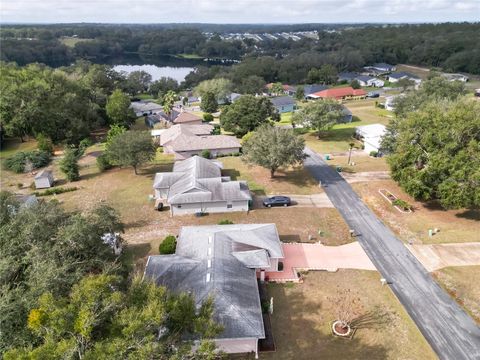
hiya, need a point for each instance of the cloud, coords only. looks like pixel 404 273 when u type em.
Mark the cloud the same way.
pixel 239 11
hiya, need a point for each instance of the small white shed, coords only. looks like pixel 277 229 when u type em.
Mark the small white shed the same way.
pixel 371 135
pixel 44 179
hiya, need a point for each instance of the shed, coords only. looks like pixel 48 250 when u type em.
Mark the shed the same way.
pixel 371 135
pixel 44 179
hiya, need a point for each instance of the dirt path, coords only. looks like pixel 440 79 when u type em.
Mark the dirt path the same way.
pixel 437 256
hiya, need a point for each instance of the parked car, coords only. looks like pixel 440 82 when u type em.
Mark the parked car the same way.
pixel 373 94
pixel 277 201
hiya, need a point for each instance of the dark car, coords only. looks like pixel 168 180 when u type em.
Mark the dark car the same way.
pixel 373 95
pixel 277 201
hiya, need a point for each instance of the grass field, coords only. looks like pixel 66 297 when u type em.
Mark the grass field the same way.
pixel 362 161
pixel 303 313
pixel 366 111
pixel 71 41
pixel 463 285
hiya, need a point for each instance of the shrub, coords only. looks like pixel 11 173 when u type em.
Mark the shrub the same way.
pixel 207 117
pixel 44 143
pixel 373 153
pixel 27 161
pixel 103 163
pixel 402 204
pixel 55 191
pixel 225 222
pixel 205 154
pixel 168 245
pixel 216 130
pixel 84 144
pixel 69 164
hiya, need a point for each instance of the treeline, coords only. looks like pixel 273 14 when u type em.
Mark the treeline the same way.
pixel 451 46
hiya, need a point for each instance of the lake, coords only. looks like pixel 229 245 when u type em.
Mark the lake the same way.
pixel 177 73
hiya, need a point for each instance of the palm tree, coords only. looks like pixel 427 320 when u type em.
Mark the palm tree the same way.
pixel 350 152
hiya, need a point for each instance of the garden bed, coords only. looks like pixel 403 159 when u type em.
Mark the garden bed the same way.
pixel 400 205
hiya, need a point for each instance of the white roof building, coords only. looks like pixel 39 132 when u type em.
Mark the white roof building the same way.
pixel 371 135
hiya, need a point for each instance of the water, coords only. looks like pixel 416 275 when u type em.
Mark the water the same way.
pixel 177 73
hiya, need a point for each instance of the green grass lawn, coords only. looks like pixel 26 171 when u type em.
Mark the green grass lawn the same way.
pixel 285 119
pixel 13 145
pixel 71 41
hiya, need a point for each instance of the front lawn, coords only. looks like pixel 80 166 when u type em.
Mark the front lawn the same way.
pixel 362 162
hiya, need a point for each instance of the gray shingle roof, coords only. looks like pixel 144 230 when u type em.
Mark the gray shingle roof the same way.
pixel 310 89
pixel 282 101
pixel 219 261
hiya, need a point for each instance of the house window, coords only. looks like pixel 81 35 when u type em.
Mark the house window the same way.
pixel 229 206
pixel 179 206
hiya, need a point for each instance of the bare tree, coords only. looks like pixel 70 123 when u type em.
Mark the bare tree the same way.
pixel 348 307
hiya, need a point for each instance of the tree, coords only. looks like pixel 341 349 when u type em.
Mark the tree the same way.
pixel 251 85
pixel 327 74
pixel 319 115
pixel 273 147
pixel 209 102
pixel 168 101
pixel 118 109
pixel 66 246
pixel 100 320
pixel 348 308
pixel 168 245
pixel 436 154
pixel 162 86
pixel 351 145
pixel 355 84
pixel 313 76
pixel 220 87
pixel 137 82
pixel 300 93
pixel 131 148
pixel 246 114
pixel 114 131
pixel 405 83
pixel 277 89
pixel 44 143
pixel 69 164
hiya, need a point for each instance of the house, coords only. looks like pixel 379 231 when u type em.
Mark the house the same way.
pixel 396 76
pixel 283 104
pixel 310 89
pixel 223 261
pixel 455 77
pixel 234 97
pixel 390 103
pixel 347 115
pixel 380 68
pixel 196 185
pixel 287 89
pixel 177 116
pixel 365 80
pixel 343 93
pixel 142 108
pixel 347 76
pixel 371 135
pixel 44 179
pixel 185 141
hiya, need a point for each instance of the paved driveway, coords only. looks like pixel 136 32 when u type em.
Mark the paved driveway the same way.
pixel 449 330
pixel 301 256
pixel 437 256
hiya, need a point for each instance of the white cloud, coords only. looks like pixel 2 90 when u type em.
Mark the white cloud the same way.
pixel 239 11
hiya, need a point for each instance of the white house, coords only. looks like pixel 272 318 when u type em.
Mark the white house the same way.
pixel 455 77
pixel 397 76
pixel 145 108
pixel 224 261
pixel 196 185
pixel 44 179
pixel 371 135
pixel 365 80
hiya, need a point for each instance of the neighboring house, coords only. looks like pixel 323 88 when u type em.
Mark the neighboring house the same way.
pixel 395 77
pixel 380 68
pixel 347 76
pixel 347 115
pixel 390 103
pixel 177 116
pixel 365 80
pixel 283 104
pixel 456 77
pixel 310 89
pixel 223 261
pixel 371 135
pixel 142 108
pixel 196 185
pixel 185 141
pixel 343 93
pixel 234 97
pixel 287 89
pixel 44 179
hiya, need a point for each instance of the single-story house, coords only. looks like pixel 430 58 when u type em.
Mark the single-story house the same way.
pixel 365 80
pixel 283 104
pixel 44 179
pixel 380 68
pixel 313 88
pixel 287 89
pixel 177 116
pixel 347 76
pixel 223 261
pixel 343 93
pixel 456 77
pixel 196 185
pixel 145 108
pixel 371 135
pixel 396 76
pixel 185 141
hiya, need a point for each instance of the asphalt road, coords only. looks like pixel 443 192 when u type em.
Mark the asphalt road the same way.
pixel 450 331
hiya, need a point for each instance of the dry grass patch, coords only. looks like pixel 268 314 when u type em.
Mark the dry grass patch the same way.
pixel 336 141
pixel 292 180
pixel 362 161
pixel 462 284
pixel 455 225
pixel 366 111
pixel 303 313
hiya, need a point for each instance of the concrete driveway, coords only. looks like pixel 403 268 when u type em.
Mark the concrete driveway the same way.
pixel 302 256
pixel 437 256
pixel 316 200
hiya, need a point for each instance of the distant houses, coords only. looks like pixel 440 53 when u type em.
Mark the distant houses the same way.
pixel 223 261
pixel 313 88
pixel 343 93
pixel 283 104
pixel 363 80
pixel 143 108
pixel 177 116
pixel 379 69
pixel 196 185
pixel 456 77
pixel 397 76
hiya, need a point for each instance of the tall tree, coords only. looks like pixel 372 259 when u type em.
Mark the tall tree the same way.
pixel 273 147
pixel 69 164
pixel 246 114
pixel 327 74
pixel 220 87
pixel 118 109
pixel 277 89
pixel 319 115
pixel 300 93
pixel 168 101
pixel 137 82
pixel 209 102
pixel 131 148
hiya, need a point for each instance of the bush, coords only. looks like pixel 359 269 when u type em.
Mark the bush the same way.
pixel 103 163
pixel 69 164
pixel 55 191
pixel 402 204
pixel 205 154
pixel 225 222
pixel 44 143
pixel 216 130
pixel 84 144
pixel 207 117
pixel 27 161
pixel 168 245
pixel 373 153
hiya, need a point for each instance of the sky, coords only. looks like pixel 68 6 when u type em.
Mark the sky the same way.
pixel 238 11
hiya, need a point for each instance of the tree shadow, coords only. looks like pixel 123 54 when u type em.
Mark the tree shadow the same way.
pixel 290 238
pixel 138 223
pixel 470 214
pixel 233 173
pixel 151 169
pixel 374 319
